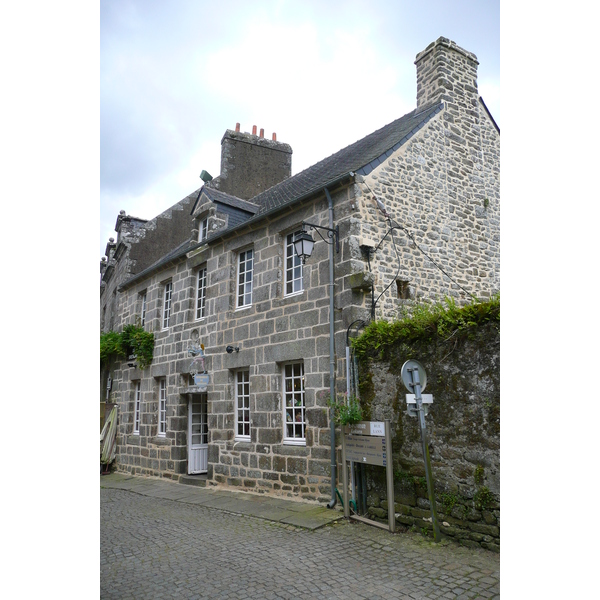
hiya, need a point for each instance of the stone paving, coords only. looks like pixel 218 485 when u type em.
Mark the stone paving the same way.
pixel 155 546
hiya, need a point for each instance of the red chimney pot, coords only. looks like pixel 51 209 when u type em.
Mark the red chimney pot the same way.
pixel 253 129
pixel 274 137
pixel 262 132
pixel 237 126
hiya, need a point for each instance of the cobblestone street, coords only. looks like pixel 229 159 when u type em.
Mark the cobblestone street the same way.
pixel 161 548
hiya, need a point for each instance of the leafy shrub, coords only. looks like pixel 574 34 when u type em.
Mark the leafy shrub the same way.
pixel 347 411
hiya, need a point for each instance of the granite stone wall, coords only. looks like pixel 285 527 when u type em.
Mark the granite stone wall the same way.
pixel 274 330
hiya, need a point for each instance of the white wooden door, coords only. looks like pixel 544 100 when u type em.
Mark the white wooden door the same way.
pixel 197 434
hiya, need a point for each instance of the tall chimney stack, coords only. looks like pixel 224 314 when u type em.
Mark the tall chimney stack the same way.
pixel 251 164
pixel 445 71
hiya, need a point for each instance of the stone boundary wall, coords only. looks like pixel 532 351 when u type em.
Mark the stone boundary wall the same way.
pixel 463 426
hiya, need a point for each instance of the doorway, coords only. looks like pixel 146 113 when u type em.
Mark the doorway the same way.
pixel 197 434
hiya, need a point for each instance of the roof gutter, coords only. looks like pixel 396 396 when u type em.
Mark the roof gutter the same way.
pixel 268 213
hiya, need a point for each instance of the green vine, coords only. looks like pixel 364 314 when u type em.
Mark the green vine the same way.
pixel 134 339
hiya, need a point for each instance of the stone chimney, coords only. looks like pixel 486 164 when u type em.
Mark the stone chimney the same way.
pixel 251 164
pixel 446 72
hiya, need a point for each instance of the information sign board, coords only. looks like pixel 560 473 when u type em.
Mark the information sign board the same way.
pixel 368 428
pixel 370 450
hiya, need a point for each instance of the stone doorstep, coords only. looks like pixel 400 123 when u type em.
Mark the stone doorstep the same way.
pixel 197 480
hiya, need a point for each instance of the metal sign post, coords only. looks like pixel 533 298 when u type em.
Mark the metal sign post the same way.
pixel 412 374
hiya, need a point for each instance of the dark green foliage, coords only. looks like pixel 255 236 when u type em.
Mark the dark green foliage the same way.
pixel 140 342
pixel 132 340
pixel 424 322
pixel 110 345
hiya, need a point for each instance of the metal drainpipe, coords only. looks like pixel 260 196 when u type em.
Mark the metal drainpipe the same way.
pixel 333 500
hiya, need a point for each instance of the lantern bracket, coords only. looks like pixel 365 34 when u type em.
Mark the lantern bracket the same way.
pixel 332 234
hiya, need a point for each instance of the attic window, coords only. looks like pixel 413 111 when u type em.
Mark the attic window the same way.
pixel 403 289
pixel 202 230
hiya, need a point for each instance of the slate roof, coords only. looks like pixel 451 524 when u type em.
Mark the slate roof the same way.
pixel 361 157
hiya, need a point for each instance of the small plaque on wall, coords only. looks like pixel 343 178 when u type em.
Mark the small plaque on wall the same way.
pixel 202 380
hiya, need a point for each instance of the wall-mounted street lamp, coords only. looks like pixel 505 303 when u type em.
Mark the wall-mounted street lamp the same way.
pixel 304 242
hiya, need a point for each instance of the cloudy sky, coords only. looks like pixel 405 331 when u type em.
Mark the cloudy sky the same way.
pixel 175 75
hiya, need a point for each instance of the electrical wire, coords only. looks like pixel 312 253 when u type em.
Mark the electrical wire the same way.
pixel 383 210
pixel 399 265
pixel 409 234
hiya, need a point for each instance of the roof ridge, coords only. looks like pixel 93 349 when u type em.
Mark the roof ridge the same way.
pixel 352 157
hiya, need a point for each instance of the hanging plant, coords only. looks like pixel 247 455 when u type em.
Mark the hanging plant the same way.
pixel 110 345
pixel 140 342
pixel 134 339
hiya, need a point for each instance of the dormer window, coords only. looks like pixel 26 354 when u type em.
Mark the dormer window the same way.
pixel 203 230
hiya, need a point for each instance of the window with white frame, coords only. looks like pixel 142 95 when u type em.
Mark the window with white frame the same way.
pixel 162 407
pixel 201 294
pixel 242 406
pixel 294 407
pixel 167 304
pixel 293 267
pixel 143 309
pixel 137 406
pixel 202 230
pixel 244 282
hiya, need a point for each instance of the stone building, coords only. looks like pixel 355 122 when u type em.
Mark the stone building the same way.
pixel 410 212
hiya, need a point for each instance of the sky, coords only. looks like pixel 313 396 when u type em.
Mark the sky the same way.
pixel 174 76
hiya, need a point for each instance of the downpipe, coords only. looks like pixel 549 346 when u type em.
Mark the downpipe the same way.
pixel 333 500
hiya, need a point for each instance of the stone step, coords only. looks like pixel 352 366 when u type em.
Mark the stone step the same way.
pixel 199 480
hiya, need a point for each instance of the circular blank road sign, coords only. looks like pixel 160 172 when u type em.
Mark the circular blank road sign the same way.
pixel 407 377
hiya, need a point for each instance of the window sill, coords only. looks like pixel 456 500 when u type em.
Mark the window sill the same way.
pixel 294 442
pixel 294 294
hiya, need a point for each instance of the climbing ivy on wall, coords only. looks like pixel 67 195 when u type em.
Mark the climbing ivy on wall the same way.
pixel 134 339
pixel 425 322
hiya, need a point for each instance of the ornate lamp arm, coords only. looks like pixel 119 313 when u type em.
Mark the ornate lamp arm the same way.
pixel 332 234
